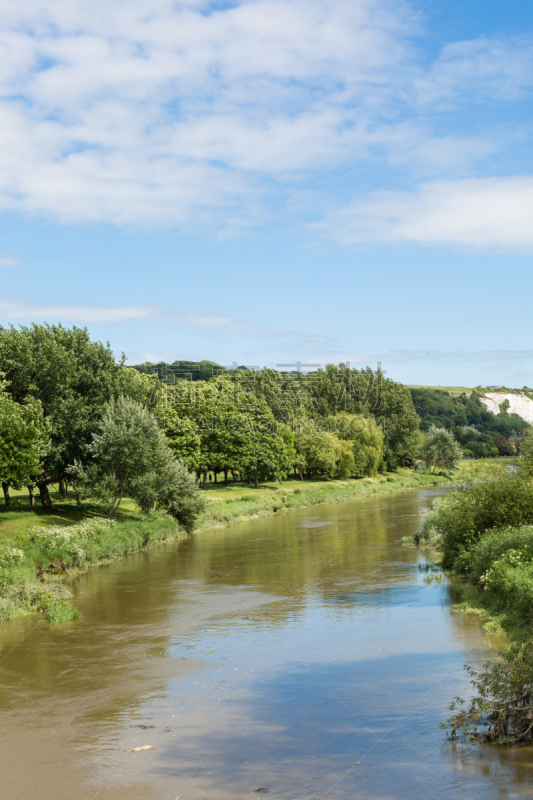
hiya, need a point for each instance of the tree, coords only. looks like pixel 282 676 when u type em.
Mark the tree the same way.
pixel 339 389
pixel 525 462
pixel 440 451
pixel 72 378
pixel 366 441
pixel 182 435
pixel 345 459
pixel 24 439
pixel 318 451
pixel 505 447
pixel 129 456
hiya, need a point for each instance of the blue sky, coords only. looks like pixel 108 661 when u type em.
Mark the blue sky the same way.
pixel 274 181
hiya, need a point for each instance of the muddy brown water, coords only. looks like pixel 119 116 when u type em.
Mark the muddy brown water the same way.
pixel 300 654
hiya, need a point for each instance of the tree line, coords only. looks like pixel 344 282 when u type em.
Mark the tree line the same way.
pixel 66 403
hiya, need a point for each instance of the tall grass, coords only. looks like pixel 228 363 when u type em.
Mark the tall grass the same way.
pixel 29 571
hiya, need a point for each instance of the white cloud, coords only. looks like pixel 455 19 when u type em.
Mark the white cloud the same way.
pixel 11 261
pixel 484 69
pixel 156 114
pixel 164 114
pixel 485 213
pixel 12 310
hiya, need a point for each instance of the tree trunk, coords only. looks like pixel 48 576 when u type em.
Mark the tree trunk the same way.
pixel 225 477
pixel 301 475
pixel 5 487
pixel 255 479
pixel 234 476
pixel 32 496
pixel 78 498
pixel 215 474
pixel 44 494
pixel 62 489
pixel 204 481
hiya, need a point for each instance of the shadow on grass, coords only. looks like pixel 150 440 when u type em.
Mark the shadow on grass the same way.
pixel 20 516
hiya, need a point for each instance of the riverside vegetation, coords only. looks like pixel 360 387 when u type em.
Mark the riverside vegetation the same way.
pixel 484 533
pixel 143 454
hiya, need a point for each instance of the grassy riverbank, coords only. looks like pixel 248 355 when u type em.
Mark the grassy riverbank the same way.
pixel 39 547
pixel 38 550
pixel 238 502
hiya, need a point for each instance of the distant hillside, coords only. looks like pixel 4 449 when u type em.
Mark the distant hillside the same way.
pixel 480 430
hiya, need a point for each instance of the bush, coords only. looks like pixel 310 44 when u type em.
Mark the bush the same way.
pixel 30 596
pixel 500 565
pixel 501 500
pixel 62 612
pixel 501 710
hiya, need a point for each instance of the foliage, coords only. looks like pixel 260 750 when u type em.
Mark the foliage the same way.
pixel 440 452
pixel 505 446
pixel 130 456
pixel 525 462
pixel 68 374
pixel 438 407
pixel 501 710
pixel 62 612
pixel 500 499
pixel 317 451
pixel 24 440
pixel 366 439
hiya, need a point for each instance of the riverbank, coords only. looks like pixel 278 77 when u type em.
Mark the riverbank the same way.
pixel 35 561
pixel 40 549
pixel 231 504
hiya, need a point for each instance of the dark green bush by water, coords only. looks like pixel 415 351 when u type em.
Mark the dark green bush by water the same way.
pixel 500 500
pixel 484 532
pixel 62 612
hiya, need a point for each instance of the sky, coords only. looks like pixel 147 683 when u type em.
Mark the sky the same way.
pixel 274 181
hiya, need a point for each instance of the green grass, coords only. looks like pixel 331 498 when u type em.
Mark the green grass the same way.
pixel 62 612
pixel 238 502
pixel 453 390
pixel 40 547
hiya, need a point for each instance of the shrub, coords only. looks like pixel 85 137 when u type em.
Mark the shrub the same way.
pixel 62 612
pixel 501 710
pixel 502 500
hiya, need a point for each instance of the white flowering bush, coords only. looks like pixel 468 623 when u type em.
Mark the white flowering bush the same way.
pixel 10 557
pixel 499 572
pixel 70 542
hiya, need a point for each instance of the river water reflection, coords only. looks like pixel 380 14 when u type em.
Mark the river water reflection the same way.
pixel 301 654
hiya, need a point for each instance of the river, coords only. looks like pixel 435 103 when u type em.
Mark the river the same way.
pixel 300 654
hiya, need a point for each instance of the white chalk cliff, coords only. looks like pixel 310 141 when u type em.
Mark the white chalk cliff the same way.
pixel 518 404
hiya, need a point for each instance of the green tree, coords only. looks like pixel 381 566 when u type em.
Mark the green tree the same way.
pixel 505 447
pixel 366 440
pixel 339 389
pixel 440 451
pixel 525 462
pixel 24 439
pixel 129 456
pixel 72 378
pixel 345 459
pixel 318 451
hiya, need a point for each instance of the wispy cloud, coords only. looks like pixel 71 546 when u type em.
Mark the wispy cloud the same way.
pixel 15 311
pixel 485 213
pixel 11 261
